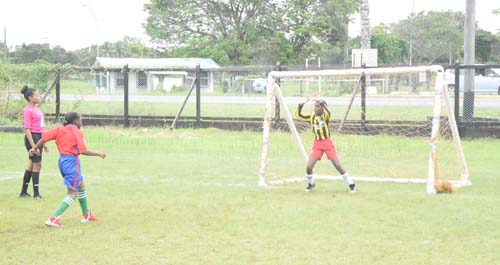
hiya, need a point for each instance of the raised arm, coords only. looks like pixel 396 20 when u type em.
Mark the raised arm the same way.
pixel 301 116
pixel 327 111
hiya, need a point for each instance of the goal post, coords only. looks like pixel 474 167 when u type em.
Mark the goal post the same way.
pixel 441 103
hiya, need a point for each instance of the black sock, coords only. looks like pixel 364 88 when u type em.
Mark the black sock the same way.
pixel 26 181
pixel 36 178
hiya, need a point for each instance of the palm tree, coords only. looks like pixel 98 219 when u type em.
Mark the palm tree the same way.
pixel 365 25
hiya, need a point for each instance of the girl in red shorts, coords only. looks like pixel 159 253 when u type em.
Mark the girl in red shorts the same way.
pixel 319 121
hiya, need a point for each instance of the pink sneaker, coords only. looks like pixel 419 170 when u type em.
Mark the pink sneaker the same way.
pixel 90 217
pixel 53 222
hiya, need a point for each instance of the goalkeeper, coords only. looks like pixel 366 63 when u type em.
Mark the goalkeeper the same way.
pixel 319 121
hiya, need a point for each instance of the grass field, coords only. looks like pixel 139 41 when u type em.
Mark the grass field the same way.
pixel 191 197
pixel 251 110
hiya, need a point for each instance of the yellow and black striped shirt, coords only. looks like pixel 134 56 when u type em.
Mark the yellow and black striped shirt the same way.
pixel 319 123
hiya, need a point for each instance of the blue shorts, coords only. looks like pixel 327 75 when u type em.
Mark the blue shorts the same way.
pixel 69 166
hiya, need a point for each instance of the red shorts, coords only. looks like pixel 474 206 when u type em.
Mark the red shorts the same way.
pixel 324 146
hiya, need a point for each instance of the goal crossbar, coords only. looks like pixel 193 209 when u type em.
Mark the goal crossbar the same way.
pixel 440 92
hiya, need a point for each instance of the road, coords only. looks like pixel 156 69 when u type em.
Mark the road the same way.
pixel 483 102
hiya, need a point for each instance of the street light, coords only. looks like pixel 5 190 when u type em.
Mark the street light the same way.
pixel 96 27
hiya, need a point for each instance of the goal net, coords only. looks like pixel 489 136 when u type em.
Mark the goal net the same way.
pixel 388 125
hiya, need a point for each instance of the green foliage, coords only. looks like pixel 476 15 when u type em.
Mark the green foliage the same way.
pixel 391 48
pixel 127 47
pixel 14 76
pixel 248 32
pixel 487 47
pixel 30 53
pixel 433 35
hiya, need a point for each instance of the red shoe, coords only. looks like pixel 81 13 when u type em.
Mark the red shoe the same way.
pixel 53 222
pixel 90 217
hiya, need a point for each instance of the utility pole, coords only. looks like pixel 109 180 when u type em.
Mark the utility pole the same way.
pixel 6 52
pixel 365 25
pixel 412 18
pixel 469 58
pixel 96 27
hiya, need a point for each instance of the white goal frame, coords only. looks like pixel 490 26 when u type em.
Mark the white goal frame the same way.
pixel 440 94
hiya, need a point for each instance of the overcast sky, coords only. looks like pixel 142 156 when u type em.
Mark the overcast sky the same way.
pixel 70 24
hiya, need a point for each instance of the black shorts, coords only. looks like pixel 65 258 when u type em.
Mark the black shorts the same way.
pixel 36 138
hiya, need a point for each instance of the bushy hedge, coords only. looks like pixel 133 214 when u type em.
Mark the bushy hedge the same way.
pixel 14 76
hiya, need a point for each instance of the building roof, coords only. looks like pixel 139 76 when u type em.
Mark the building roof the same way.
pixel 168 72
pixel 154 63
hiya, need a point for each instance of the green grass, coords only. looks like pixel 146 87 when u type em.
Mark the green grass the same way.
pixel 190 197
pixel 251 110
pixel 11 114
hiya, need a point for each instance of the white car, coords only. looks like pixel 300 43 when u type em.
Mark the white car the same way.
pixel 486 81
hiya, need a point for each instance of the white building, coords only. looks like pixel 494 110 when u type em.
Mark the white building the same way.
pixel 140 79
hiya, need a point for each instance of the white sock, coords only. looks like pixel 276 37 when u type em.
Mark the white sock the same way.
pixel 347 179
pixel 310 179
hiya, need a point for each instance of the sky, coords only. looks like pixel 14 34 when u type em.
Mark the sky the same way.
pixel 75 24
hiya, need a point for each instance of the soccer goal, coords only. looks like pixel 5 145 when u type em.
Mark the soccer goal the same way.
pixel 388 124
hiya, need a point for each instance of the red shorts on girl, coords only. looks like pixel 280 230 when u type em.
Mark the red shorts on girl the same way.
pixel 324 146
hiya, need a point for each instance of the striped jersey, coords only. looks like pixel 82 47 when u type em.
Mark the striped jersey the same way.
pixel 319 123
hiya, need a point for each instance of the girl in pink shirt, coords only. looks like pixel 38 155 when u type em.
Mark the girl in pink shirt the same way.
pixel 33 128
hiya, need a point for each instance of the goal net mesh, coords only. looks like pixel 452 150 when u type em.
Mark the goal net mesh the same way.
pixel 381 124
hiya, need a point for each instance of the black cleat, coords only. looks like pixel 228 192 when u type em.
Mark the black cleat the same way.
pixel 24 195
pixel 310 187
pixel 353 188
pixel 37 196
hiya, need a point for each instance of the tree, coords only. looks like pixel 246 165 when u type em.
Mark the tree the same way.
pixel 28 53
pixel 320 27
pixel 433 35
pixel 392 49
pixel 175 23
pixel 487 46
pixel 3 50
pixel 248 31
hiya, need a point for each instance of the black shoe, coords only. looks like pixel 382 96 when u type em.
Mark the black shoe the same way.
pixel 310 187
pixel 37 196
pixel 352 188
pixel 24 195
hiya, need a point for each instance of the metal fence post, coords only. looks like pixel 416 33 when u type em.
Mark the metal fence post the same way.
pixel 58 94
pixel 457 96
pixel 363 99
pixel 277 103
pixel 126 121
pixel 198 95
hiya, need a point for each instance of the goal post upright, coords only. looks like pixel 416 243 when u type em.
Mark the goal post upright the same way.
pixel 266 128
pixel 464 179
pixel 274 90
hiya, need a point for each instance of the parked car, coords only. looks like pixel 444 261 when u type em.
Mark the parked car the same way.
pixel 259 85
pixel 486 81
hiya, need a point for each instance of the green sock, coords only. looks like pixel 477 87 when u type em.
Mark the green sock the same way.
pixel 82 198
pixel 64 205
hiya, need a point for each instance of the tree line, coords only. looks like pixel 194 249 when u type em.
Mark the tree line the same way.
pixel 257 32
